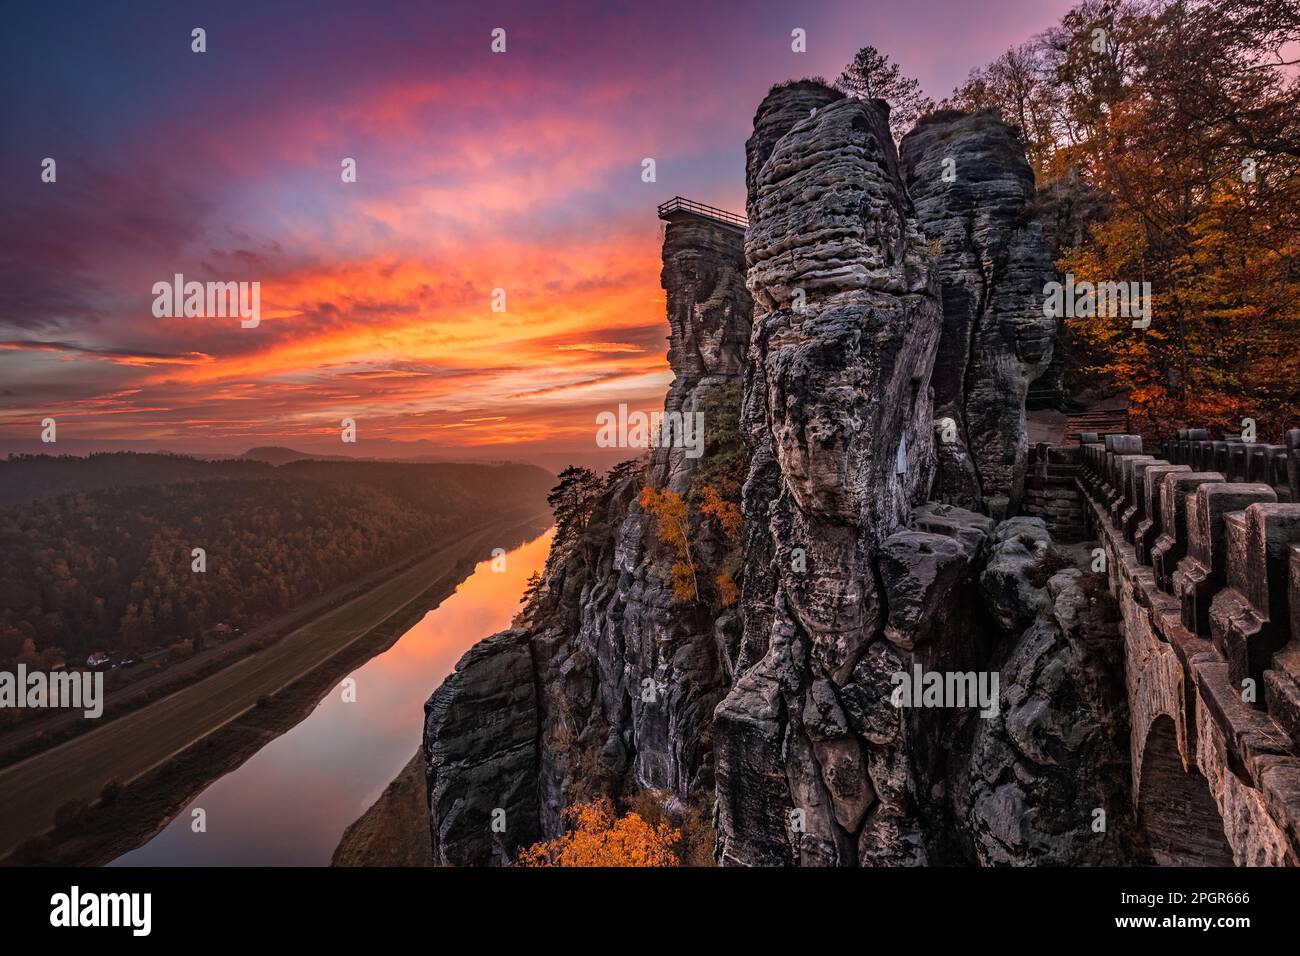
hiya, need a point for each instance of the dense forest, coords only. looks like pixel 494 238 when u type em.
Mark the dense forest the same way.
pixel 1165 137
pixel 111 568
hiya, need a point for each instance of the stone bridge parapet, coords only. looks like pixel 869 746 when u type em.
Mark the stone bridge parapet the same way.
pixel 1202 550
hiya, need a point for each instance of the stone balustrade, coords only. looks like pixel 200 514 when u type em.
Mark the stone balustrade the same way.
pixel 1203 555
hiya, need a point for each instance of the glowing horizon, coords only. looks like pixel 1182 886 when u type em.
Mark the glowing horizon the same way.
pixel 475 171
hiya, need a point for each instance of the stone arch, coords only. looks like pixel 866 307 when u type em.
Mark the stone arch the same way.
pixel 1175 807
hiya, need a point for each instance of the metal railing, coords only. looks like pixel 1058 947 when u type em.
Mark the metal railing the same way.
pixel 678 204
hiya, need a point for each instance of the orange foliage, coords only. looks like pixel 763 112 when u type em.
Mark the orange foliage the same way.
pixel 723 511
pixel 599 838
pixel 727 590
pixel 1171 157
pixel 673 528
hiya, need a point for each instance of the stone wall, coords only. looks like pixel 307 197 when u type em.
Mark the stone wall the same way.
pixel 1052 492
pixel 1203 556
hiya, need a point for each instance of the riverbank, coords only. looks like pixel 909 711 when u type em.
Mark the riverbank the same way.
pixel 394 831
pixel 173 748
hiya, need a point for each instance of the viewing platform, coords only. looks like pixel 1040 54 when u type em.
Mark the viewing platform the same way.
pixel 679 207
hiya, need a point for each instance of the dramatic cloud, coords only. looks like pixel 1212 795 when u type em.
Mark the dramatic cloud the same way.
pixel 475 172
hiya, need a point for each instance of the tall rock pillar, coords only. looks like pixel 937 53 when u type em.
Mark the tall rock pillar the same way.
pixel 838 414
pixel 972 187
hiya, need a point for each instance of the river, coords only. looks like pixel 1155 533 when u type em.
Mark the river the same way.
pixel 289 803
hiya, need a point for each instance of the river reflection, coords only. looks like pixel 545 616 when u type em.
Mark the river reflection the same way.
pixel 289 804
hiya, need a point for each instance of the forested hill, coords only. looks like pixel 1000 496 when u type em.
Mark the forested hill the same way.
pixel 109 568
pixel 442 488
pixel 27 477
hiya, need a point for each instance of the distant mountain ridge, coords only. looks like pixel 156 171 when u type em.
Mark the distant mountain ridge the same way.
pixel 280 455
pixel 27 478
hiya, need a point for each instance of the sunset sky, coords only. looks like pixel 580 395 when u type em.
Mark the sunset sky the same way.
pixel 475 171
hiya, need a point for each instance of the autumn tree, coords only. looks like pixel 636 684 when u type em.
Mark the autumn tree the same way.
pixel 1166 140
pixel 703 529
pixel 673 528
pixel 1089 57
pixel 728 516
pixel 873 75
pixel 692 818
pixel 716 487
pixel 599 837
pixel 1201 159
pixel 1017 85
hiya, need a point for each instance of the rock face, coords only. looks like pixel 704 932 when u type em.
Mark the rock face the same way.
pixel 480 744
pixel 837 413
pixel 777 115
pixel 783 709
pixel 613 683
pixel 709 312
pixel 1045 779
pixel 973 191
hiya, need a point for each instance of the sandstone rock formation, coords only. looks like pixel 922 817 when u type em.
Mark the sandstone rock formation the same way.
pixel 973 191
pixel 837 412
pixel 1046 779
pixel 481 749
pixel 709 313
pixel 781 709
pixel 775 117
pixel 612 682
